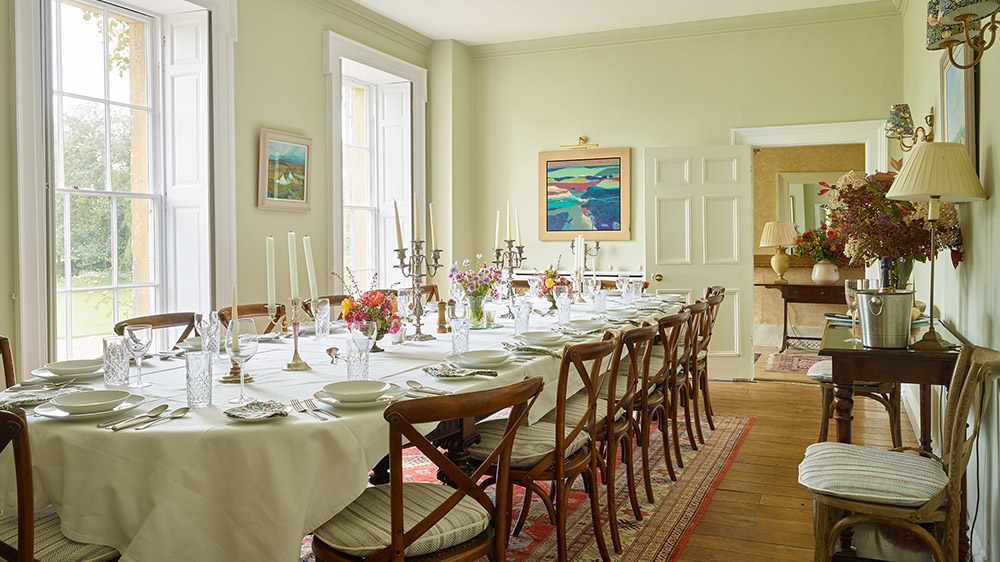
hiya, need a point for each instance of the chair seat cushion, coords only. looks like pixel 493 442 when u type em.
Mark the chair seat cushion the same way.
pixel 823 372
pixel 51 545
pixel 363 528
pixel 576 407
pixel 531 444
pixel 871 475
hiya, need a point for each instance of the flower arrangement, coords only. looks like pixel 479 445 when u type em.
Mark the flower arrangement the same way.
pixel 476 283
pixel 821 244
pixel 372 305
pixel 550 279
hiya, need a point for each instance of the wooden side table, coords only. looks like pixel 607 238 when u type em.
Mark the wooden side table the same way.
pixel 808 294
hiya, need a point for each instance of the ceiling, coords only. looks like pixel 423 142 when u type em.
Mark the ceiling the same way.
pixel 478 22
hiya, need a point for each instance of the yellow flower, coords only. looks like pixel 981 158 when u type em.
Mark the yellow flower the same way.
pixel 345 306
pixel 550 283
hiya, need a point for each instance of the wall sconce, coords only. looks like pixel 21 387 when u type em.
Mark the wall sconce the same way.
pixel 900 126
pixel 951 23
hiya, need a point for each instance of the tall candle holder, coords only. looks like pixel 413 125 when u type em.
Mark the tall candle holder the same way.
pixel 416 267
pixel 509 258
pixel 296 364
pixel 578 275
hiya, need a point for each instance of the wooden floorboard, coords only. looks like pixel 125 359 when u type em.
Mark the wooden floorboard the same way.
pixel 760 512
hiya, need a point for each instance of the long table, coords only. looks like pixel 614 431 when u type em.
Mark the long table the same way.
pixel 204 488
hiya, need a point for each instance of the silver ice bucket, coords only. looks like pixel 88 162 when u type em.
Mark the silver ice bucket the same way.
pixel 885 318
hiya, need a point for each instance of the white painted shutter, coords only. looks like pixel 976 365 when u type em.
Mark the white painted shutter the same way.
pixel 187 150
pixel 395 173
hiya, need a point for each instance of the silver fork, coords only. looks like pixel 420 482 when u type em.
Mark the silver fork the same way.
pixel 301 408
pixel 313 407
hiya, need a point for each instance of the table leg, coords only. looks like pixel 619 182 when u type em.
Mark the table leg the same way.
pixel 843 407
pixel 784 328
pixel 380 474
pixel 925 417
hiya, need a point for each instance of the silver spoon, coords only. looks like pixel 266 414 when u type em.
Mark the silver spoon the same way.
pixel 176 414
pixel 152 414
pixel 421 388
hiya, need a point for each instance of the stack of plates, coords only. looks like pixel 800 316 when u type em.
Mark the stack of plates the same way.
pixel 77 369
pixel 88 405
pixel 358 394
pixel 585 326
pixel 191 344
pixel 482 359
pixel 546 339
pixel 620 314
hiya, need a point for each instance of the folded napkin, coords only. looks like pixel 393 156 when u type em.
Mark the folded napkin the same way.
pixel 572 332
pixel 21 398
pixel 449 372
pixel 530 349
pixel 258 410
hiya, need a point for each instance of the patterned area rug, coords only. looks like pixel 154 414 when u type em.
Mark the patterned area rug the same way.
pixel 665 525
pixel 791 363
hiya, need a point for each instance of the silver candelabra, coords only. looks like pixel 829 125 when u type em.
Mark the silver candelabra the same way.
pixel 578 275
pixel 509 258
pixel 416 267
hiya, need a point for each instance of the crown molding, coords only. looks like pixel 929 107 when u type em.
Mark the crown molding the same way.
pixel 832 14
pixel 376 23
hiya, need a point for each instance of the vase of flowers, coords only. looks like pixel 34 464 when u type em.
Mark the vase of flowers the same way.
pixel 550 279
pixel 825 246
pixel 373 305
pixel 896 233
pixel 477 285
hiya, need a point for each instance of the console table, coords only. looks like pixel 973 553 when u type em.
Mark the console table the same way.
pixel 810 294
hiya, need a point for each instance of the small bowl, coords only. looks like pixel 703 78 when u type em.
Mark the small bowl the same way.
pixel 619 314
pixel 484 357
pixel 356 391
pixel 75 366
pixel 90 402
pixel 585 325
pixel 541 337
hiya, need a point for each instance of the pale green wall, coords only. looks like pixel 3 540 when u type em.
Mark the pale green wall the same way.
pixel 673 92
pixel 969 297
pixel 8 213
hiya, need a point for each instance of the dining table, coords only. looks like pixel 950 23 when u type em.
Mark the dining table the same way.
pixel 206 488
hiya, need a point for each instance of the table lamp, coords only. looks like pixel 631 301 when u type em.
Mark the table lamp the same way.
pixel 779 235
pixel 936 172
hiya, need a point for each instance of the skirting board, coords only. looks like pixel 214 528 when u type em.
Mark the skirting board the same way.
pixel 769 335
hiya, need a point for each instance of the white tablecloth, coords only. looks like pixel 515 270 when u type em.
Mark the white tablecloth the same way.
pixel 206 489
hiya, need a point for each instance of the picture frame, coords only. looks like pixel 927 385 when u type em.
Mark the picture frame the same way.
pixel 284 182
pixel 586 192
pixel 958 102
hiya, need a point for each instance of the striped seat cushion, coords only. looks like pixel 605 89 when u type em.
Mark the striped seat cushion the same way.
pixel 576 407
pixel 531 445
pixel 363 528
pixel 51 545
pixel 823 372
pixel 871 475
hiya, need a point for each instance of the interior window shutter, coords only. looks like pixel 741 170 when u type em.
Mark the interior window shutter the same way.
pixel 395 171
pixel 187 178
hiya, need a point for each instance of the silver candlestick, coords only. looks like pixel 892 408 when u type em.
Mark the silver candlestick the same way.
pixel 296 364
pixel 578 275
pixel 509 259
pixel 416 267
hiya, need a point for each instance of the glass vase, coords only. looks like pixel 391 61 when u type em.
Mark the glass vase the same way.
pixel 477 314
pixel 896 272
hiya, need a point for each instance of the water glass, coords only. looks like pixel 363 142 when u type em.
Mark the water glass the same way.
pixel 563 301
pixel 138 338
pixel 357 361
pixel 460 328
pixel 116 357
pixel 600 301
pixel 636 288
pixel 621 282
pixel 322 315
pixel 198 367
pixel 241 344
pixel 208 328
pixel 522 315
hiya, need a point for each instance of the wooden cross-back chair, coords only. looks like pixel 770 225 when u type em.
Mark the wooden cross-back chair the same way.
pixel 335 300
pixel 904 487
pixel 252 311
pixel 431 521
pixel 705 338
pixel 430 293
pixel 563 449
pixel 25 533
pixel 691 356
pixel 658 396
pixel 610 284
pixel 9 376
pixel 163 321
pixel 713 290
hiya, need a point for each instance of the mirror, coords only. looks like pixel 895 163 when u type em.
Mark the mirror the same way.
pixel 799 200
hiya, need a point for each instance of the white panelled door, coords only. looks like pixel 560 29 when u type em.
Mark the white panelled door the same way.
pixel 699 229
pixel 395 173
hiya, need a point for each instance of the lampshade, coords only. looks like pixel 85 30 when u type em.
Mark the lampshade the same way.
pixel 900 121
pixel 937 170
pixel 940 34
pixel 778 234
pixel 951 10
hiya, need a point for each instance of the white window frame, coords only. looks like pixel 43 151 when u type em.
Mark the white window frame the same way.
pixel 374 181
pixel 339 47
pixel 34 328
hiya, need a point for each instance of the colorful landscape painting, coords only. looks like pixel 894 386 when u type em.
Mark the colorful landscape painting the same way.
pixel 584 194
pixel 286 170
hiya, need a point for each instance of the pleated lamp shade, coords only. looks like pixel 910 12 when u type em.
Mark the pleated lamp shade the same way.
pixel 778 234
pixel 940 170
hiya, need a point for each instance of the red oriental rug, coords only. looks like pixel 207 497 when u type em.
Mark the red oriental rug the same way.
pixel 665 526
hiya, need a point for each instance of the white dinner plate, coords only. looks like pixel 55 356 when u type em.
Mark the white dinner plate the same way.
pixel 586 325
pixel 613 293
pixel 484 357
pixel 50 411
pixel 75 366
pixel 49 376
pixel 457 359
pixel 558 343
pixel 395 391
pixel 621 314
pixel 188 346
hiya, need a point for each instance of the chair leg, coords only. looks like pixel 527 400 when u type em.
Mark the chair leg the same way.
pixel 595 514
pixel 523 516
pixel 644 431
pixel 560 522
pixel 826 403
pixel 610 453
pixel 822 525
pixel 894 417
pixel 664 431
pixel 707 399
pixel 672 412
pixel 629 461
pixel 687 417
pixel 695 413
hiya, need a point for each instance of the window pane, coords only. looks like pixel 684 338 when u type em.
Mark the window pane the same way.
pixel 358 104
pixel 60 214
pixel 127 60
pixel 82 50
pixel 90 240
pixel 92 320
pixel 135 302
pixel 129 149
pixel 356 177
pixel 82 144
pixel 135 241
pixel 359 240
pixel 61 352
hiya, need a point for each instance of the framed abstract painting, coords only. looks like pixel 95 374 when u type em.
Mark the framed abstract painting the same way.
pixel 958 102
pixel 585 192
pixel 283 177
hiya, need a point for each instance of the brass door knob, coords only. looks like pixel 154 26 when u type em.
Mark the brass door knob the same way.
pixel 658 278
